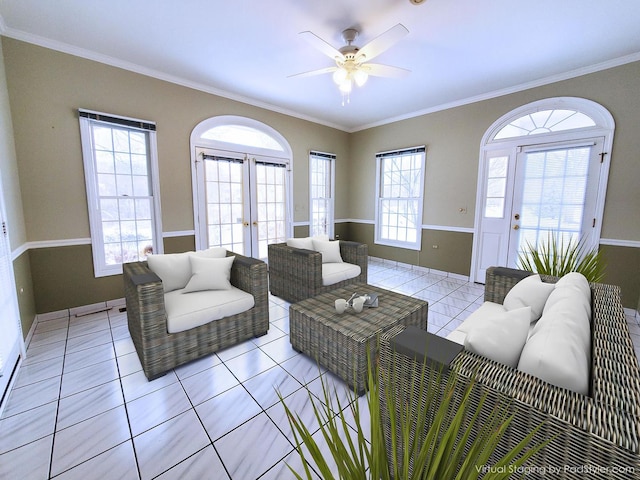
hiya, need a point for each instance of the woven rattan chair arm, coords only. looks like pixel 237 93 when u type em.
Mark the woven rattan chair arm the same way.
pixel 145 278
pixel 144 296
pixel 354 252
pixel 250 275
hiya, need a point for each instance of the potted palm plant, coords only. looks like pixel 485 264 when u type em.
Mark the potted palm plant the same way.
pixel 558 257
pixel 456 443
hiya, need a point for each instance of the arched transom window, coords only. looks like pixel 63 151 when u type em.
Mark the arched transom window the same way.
pixel 545 121
pixel 242 135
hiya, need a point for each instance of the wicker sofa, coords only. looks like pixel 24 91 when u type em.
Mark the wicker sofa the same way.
pixel 594 436
pixel 160 351
pixel 296 273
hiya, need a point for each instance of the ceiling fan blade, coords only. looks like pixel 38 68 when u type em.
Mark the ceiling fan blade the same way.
pixel 321 45
pixel 382 42
pixel 314 72
pixel 379 70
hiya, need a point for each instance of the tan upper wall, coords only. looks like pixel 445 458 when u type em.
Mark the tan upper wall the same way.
pixel 9 167
pixel 47 87
pixel 453 139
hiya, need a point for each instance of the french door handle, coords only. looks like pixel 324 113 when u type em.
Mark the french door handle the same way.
pixel 246 224
pixel 517 216
pixel 516 227
pixel 255 223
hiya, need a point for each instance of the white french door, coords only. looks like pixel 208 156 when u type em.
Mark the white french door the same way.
pixel 555 191
pixel 11 343
pixel 242 201
pixel 531 191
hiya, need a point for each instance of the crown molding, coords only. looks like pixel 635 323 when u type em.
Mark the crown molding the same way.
pixel 616 62
pixel 108 60
pixel 133 67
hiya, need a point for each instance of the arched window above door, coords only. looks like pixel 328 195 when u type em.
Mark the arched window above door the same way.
pixel 548 117
pixel 232 132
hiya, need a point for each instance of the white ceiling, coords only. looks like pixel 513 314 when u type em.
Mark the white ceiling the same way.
pixel 457 50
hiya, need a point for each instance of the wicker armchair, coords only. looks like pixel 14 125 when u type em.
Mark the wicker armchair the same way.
pixel 594 436
pixel 296 273
pixel 160 351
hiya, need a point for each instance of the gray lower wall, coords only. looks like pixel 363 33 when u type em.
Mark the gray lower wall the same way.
pixel 62 277
pixel 453 252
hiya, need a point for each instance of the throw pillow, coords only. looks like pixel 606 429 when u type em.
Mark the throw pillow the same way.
pixel 209 274
pixel 306 243
pixel 529 292
pixel 501 337
pixel 173 269
pixel 330 250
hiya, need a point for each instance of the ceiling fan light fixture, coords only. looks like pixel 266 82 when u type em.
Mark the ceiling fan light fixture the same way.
pixel 346 86
pixel 360 77
pixel 340 75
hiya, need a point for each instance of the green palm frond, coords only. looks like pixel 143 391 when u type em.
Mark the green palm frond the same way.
pixel 557 257
pixel 456 441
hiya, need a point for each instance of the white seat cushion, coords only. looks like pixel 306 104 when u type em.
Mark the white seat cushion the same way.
pixel 337 272
pixel 457 336
pixel 486 310
pixel 190 310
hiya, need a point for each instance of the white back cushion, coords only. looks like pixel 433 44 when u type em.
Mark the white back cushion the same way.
pixel 330 250
pixel 529 292
pixel 500 337
pixel 174 269
pixel 306 243
pixel 559 346
pixel 213 252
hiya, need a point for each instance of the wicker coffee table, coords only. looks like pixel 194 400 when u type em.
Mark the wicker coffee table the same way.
pixel 339 342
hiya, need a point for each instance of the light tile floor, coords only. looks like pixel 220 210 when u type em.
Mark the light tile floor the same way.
pixel 81 408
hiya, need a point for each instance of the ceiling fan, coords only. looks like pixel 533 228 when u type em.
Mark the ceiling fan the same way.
pixel 352 61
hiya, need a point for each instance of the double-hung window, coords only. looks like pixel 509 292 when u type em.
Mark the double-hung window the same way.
pixel 321 180
pixel 399 195
pixel 120 164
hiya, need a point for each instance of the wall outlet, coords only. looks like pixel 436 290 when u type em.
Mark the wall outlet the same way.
pixel 434 246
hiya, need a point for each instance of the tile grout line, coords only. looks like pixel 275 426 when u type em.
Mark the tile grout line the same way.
pixel 124 400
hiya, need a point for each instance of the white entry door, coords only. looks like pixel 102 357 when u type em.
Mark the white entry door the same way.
pixel 11 343
pixel 529 192
pixel 242 201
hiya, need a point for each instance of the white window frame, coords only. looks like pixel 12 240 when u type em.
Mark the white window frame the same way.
pixel 87 119
pixel 330 179
pixel 379 198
